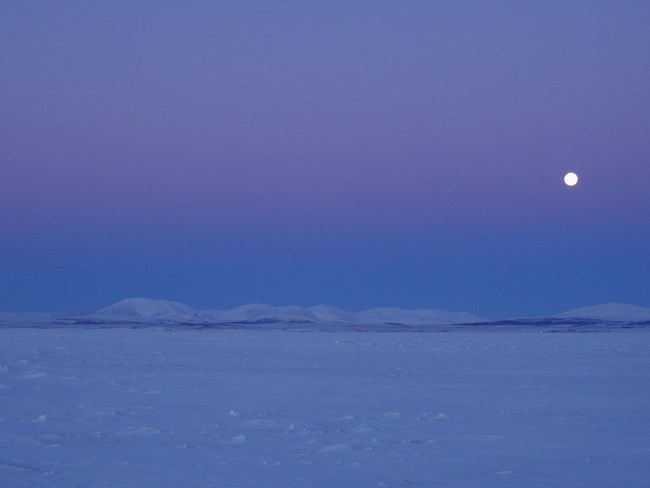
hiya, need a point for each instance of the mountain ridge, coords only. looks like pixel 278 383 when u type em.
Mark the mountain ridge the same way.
pixel 150 311
pixel 261 313
pixel 622 312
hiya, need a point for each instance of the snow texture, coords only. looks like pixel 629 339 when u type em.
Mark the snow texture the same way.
pixel 168 407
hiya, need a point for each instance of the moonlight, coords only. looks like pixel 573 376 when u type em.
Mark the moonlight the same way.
pixel 571 179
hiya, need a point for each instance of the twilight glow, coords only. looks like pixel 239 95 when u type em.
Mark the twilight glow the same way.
pixel 354 154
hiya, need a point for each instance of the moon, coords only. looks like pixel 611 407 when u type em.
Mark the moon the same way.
pixel 571 179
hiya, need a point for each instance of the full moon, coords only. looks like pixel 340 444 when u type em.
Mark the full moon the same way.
pixel 571 179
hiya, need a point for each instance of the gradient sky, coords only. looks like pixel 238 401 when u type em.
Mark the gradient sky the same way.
pixel 351 153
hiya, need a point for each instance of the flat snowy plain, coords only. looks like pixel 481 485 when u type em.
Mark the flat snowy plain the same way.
pixel 171 407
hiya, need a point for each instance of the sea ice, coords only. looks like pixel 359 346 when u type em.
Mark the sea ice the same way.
pixel 174 407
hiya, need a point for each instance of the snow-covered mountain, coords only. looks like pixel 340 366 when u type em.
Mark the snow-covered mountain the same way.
pixel 618 312
pixel 138 309
pixel 144 308
pixel 266 313
pixel 141 309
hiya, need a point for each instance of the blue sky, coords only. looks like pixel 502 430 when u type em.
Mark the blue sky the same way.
pixel 356 154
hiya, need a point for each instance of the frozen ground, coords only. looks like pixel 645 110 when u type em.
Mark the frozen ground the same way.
pixel 168 408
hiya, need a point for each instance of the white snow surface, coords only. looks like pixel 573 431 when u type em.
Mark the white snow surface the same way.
pixel 170 407
pixel 620 312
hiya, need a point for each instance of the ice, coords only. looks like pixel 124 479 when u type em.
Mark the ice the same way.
pixel 168 407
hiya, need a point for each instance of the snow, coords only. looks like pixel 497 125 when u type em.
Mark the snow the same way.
pixel 258 312
pixel 146 309
pixel 171 406
pixel 140 309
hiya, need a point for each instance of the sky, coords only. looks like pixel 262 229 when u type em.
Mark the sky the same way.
pixel 350 153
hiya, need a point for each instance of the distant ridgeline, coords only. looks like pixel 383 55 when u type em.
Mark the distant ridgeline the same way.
pixel 146 311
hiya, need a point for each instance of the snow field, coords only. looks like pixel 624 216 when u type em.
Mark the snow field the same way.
pixel 167 408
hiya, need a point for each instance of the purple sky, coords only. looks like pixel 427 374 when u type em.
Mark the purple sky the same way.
pixel 356 154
